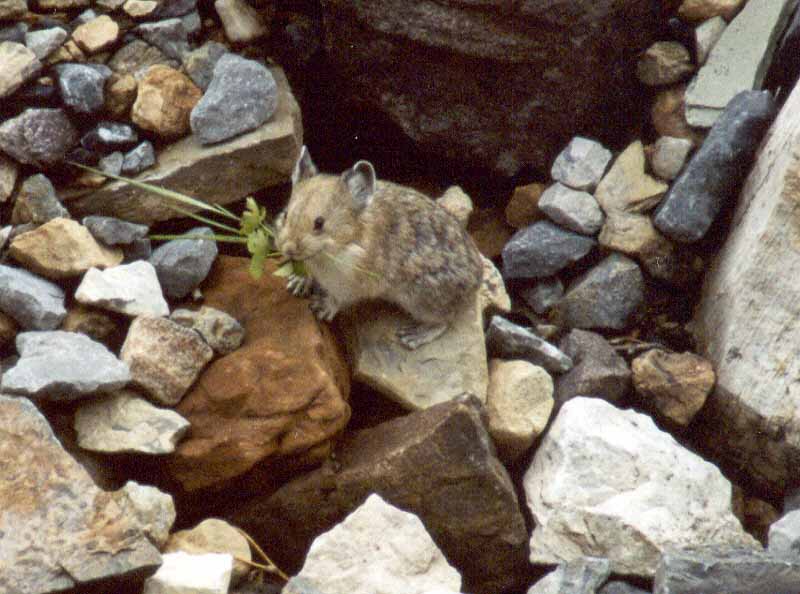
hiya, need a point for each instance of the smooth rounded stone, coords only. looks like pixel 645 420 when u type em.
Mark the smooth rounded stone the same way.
pixel 11 9
pixel 507 340
pixel 35 303
pixel 58 365
pixel 153 510
pixel 345 559
pixel 626 187
pixel 576 210
pixel 523 207
pixel 168 35
pixel 20 64
pixel 97 325
pixel 181 573
pixel 700 10
pixel 458 203
pixel 242 96
pixel 38 136
pixel 139 158
pixel 164 357
pixel 676 384
pixel 130 289
pixel 182 264
pixel 37 202
pixel 669 156
pixel 668 115
pixel 45 41
pixel 136 57
pixel 97 34
pixel 733 570
pixel 635 235
pixel 62 248
pixel 213 536
pixel 581 164
pixel 242 22
pixel 717 169
pixel 199 64
pixel 110 136
pixel 605 297
pixel 519 401
pixel 140 9
pixel 541 250
pixel 784 535
pixel 583 575
pixel 164 102
pixel 706 36
pixel 220 331
pixel 598 371
pixel 9 170
pixel 543 295
pixel 82 86
pixel 113 231
pixel 126 423
pixel 664 63
pixel 618 587
pixel 607 482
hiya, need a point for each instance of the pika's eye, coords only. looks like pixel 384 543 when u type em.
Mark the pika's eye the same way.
pixel 319 223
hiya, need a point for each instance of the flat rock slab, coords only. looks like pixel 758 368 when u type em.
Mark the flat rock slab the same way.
pixel 130 289
pixel 219 174
pixel 59 530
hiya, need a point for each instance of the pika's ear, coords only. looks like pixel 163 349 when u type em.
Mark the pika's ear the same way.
pixel 304 168
pixel 360 180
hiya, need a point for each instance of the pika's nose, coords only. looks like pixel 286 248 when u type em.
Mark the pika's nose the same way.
pixel 289 249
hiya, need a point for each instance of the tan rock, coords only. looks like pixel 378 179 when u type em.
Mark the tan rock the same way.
pixel 68 52
pixel 19 66
pixel 61 5
pixel 457 202
pixel 281 396
pixel 677 384
pixel 626 187
pixel 97 34
pixel 492 294
pixel 139 9
pixel 695 11
pixel 242 22
pixel 165 100
pixel 664 63
pixel 11 9
pixel 8 330
pixel 62 248
pixel 488 228
pixel 523 208
pixel 636 236
pixel 9 170
pixel 213 536
pixel 120 94
pixel 668 115
pixel 96 324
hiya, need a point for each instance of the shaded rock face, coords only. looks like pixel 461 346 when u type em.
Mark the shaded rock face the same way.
pixel 496 84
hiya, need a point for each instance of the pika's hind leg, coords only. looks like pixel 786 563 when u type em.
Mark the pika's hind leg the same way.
pixel 323 304
pixel 416 334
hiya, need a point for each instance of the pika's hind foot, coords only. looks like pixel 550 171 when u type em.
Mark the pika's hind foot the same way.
pixel 323 305
pixel 299 286
pixel 415 335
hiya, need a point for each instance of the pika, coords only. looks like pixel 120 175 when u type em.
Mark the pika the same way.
pixel 361 238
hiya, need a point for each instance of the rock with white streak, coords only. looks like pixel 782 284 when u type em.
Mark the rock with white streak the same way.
pixel 181 573
pixel 608 483
pixel 153 509
pixel 581 164
pixel 130 289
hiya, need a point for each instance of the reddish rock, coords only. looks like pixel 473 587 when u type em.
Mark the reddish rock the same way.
pixel 523 207
pixel 282 393
pixel 669 115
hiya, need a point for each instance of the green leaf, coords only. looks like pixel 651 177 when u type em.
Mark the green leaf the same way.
pixel 218 238
pixel 252 217
pixel 258 246
pixel 285 270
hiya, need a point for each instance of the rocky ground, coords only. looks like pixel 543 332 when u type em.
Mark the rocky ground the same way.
pixel 616 415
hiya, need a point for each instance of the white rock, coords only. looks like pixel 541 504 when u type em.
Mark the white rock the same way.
pixel 241 21
pixel 181 573
pixel 669 156
pixel 573 209
pixel 581 165
pixel 154 510
pixel 608 483
pixel 378 549
pixel 706 36
pixel 130 289
pixel 784 535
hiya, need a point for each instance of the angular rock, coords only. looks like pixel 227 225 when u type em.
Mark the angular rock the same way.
pixel 617 587
pixel 523 207
pixel 39 555
pixel 242 96
pixel 109 136
pixel 518 404
pixel 97 34
pixel 423 463
pixel 583 575
pixel 668 115
pixel 111 164
pixel 20 64
pixel 45 41
pixel 458 203
pixel 38 136
pixel 182 264
pixel 492 294
pixel 599 371
pixel 140 9
pixel 199 64
pixel 221 174
pixel 635 235
pixel 130 289
pixel 125 423
pixel 242 22
pixel 164 357
pixel 61 248
pixel 139 159
pixel 11 9
pixel 97 325
pixel 700 10
pixel 726 569
pixel 164 101
pixel 577 211
pixel 120 94
pixel 168 35
pixel 605 297
pixel 542 249
pixel 543 295
pixel 607 483
pixel 82 86
pixel 176 8
pixel 669 156
pixel 113 231
pixel 784 535
pixel 35 303
pixel 213 536
pixel 707 35
pixel 664 63
pixel 136 57
pixel 717 169
pixel 37 202
pixel 739 60
pixel 139 249
pixel 199 574
pixel 154 511
pixel 58 365
pixel 626 187
pixel 507 340
pixel 9 171
pixel 582 164
pixel 220 331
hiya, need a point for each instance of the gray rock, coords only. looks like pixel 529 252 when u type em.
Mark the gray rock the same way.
pixel 110 136
pixel 17 32
pixel 45 41
pixel 175 8
pixel 717 169
pixel 220 331
pixel 576 210
pixel 20 64
pixel 583 575
pixel 669 156
pixel 35 303
pixel 542 249
pixel 111 163
pixel 168 35
pixel 599 371
pixel 153 509
pixel 136 57
pixel 139 249
pixel 605 297
pixel 192 22
pixel 544 294
pixel 784 535
pixel 139 159
pixel 617 587
pixel 711 570
pixel 113 231
pixel 182 264
pixel 37 202
pixel 38 136
pixel 82 85
pixel 706 36
pixel 507 340
pixel 58 365
pixel 582 164
pixel 200 63
pixel 242 96
pixel 130 289
pixel 9 170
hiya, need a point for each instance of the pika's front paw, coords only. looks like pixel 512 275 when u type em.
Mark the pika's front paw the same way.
pixel 299 286
pixel 323 306
pixel 413 336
